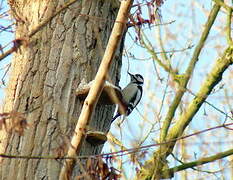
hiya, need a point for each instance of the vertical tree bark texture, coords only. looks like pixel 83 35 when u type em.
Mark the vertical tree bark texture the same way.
pixel 44 76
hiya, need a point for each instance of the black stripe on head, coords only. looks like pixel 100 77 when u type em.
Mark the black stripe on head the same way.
pixel 138 78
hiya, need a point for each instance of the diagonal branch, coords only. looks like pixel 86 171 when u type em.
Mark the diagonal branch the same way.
pixel 199 162
pixel 184 79
pixel 96 89
pixel 213 78
pixel 228 28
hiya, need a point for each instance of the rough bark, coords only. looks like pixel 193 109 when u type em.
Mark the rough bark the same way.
pixel 44 75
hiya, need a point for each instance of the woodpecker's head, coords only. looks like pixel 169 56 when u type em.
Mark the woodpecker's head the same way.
pixel 136 78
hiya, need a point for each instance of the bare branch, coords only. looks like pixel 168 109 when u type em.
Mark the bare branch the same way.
pixel 199 162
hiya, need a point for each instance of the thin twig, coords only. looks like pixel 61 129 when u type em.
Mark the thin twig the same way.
pixel 117 153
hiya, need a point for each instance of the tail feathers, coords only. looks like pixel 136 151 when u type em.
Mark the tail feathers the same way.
pixel 116 116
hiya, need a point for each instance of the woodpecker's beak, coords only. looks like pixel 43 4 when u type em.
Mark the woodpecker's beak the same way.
pixel 130 74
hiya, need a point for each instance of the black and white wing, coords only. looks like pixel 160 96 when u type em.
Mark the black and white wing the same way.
pixel 132 95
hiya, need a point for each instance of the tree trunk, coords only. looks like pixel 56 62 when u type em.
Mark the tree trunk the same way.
pixel 45 73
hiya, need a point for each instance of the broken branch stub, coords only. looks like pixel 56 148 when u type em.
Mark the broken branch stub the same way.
pixel 110 95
